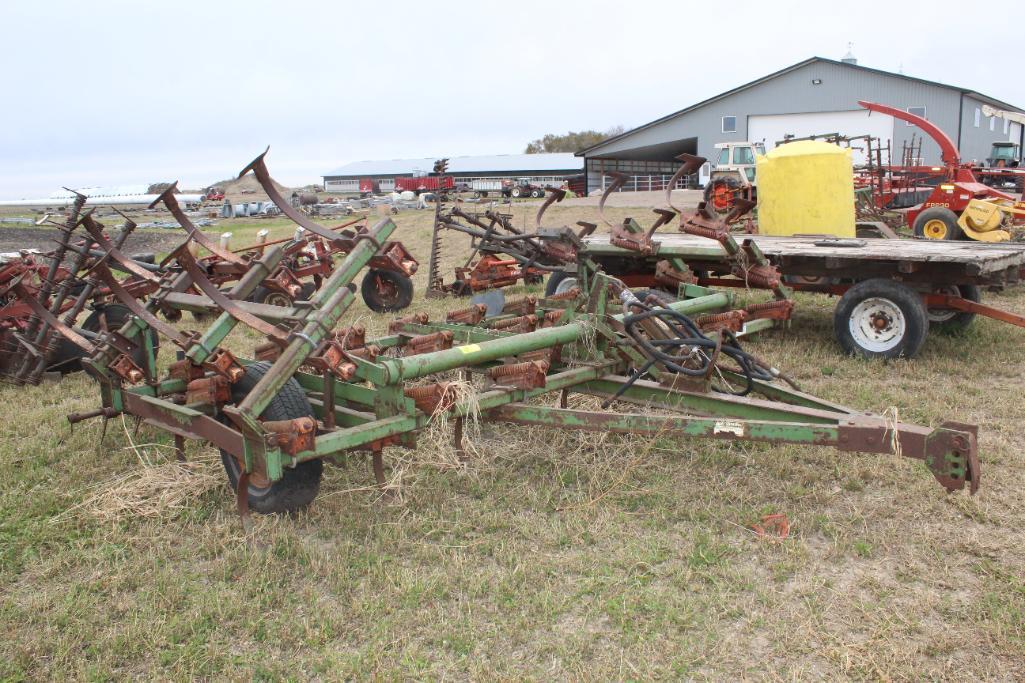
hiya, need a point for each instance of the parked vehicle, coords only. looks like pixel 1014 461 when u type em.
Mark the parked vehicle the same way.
pixel 733 175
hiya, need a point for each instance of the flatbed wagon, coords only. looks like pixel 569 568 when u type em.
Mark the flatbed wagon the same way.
pixel 891 291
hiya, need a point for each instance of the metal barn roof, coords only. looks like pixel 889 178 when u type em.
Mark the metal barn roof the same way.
pixel 497 163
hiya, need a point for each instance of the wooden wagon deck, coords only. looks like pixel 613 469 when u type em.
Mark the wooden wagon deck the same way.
pixel 936 262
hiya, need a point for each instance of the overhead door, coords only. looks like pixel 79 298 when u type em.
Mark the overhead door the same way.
pixel 772 128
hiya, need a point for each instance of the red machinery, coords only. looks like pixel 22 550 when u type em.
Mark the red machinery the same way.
pixel 936 217
pixel 427 183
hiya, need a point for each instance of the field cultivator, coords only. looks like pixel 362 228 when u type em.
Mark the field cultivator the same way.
pixel 308 258
pixel 316 389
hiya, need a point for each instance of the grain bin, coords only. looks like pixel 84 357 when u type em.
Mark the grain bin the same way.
pixel 806 187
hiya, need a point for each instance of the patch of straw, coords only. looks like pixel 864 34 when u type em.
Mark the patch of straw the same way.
pixel 152 491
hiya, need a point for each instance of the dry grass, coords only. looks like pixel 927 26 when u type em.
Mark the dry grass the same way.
pixel 547 555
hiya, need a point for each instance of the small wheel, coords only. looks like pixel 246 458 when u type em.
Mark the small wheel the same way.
pixel 720 194
pixel 535 193
pixel 477 195
pixel 386 290
pixel 660 294
pixel 559 282
pixel 881 318
pixel 483 193
pixel 516 192
pixel 300 484
pixel 271 297
pixel 113 317
pixel 949 321
pixel 937 223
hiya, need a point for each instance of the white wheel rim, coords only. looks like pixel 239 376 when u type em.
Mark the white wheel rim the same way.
pixel 942 315
pixel 877 325
pixel 565 285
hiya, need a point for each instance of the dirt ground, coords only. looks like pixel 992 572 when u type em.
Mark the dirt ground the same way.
pixel 547 555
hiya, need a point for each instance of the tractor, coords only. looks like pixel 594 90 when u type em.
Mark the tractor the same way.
pixel 733 176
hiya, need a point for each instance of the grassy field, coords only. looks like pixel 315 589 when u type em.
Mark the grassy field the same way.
pixel 550 555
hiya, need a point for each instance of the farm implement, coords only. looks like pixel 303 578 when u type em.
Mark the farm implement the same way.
pixel 308 257
pixel 316 389
pixel 42 297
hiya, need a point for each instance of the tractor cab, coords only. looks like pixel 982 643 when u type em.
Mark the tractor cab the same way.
pixel 1004 155
pixel 733 175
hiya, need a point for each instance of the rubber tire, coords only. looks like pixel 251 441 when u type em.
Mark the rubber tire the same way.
pixel 515 193
pixel 906 299
pixel 960 321
pixel 665 297
pixel 535 194
pixel 300 484
pixel 261 294
pixel 375 302
pixel 941 213
pixel 554 279
pixel 117 315
pixel 732 183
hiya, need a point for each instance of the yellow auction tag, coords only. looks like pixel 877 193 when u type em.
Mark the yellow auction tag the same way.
pixel 469 348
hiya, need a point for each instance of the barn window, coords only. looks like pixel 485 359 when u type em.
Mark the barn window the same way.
pixel 729 124
pixel 917 111
pixel 978 117
pixel 1006 126
pixel 992 123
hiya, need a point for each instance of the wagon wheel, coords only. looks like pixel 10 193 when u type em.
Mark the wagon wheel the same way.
pixel 880 318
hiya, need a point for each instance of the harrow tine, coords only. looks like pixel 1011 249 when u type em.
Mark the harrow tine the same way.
pixel 171 202
pixel 691 164
pixel 113 252
pixel 618 180
pixel 135 306
pixel 553 197
pixel 228 305
pixel 259 168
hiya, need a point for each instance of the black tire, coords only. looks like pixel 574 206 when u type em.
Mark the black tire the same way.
pixel 728 183
pixel 516 193
pixel 67 358
pixel 272 297
pixel 478 195
pixel 937 223
pixel 881 318
pixel 954 322
pixel 484 193
pixel 557 278
pixel 535 193
pixel 660 294
pixel 398 296
pixel 112 317
pixel 300 484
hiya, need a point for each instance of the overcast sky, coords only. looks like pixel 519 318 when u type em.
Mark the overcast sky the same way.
pixel 123 92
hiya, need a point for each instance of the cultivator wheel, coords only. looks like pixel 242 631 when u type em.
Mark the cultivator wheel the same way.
pixel 385 290
pixel 299 485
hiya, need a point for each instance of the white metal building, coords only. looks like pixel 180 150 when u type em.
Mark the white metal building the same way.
pixel 541 169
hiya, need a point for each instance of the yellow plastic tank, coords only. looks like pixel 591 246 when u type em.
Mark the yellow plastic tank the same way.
pixel 806 187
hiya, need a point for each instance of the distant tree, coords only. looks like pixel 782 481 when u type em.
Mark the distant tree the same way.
pixel 571 142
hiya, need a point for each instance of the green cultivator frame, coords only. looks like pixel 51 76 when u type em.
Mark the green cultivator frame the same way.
pixel 317 390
